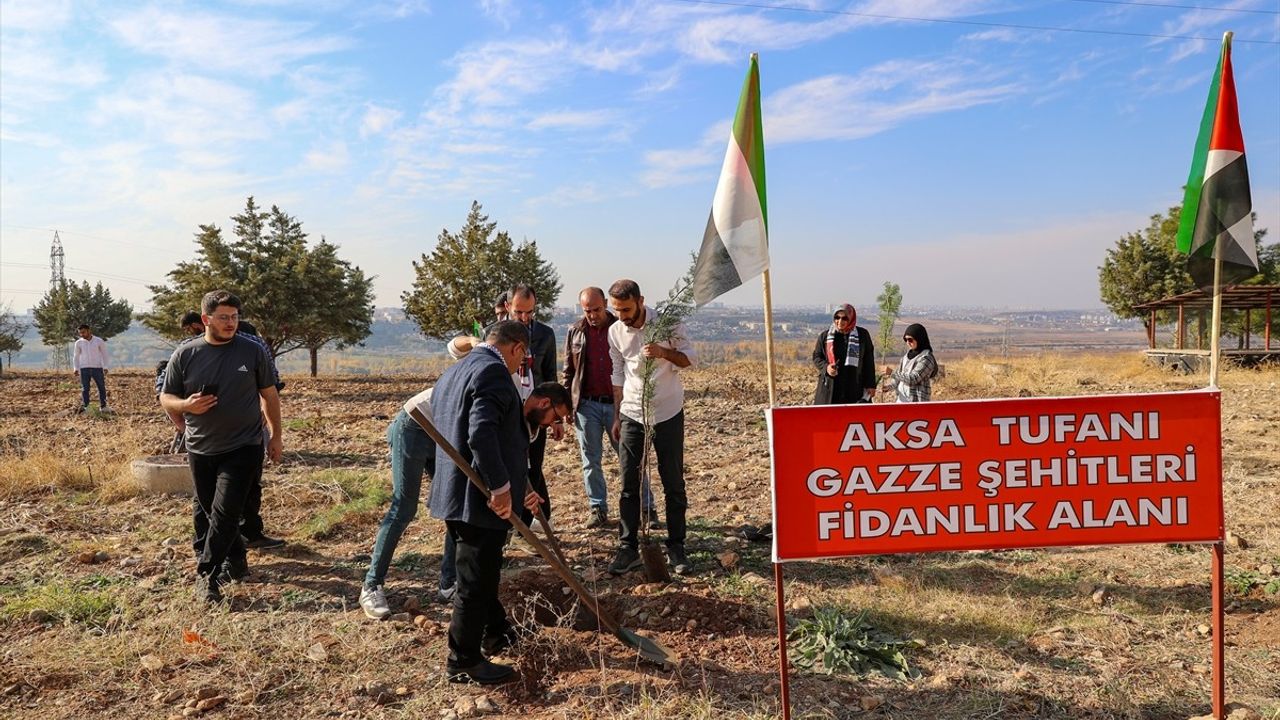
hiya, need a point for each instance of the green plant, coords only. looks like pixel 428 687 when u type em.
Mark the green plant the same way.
pixel 90 601
pixel 1240 582
pixel 411 562
pixel 834 643
pixel 362 492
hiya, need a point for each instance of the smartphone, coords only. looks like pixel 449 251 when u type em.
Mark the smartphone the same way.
pixel 209 389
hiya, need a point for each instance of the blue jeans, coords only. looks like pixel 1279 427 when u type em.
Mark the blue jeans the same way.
pixel 100 379
pixel 593 422
pixel 412 452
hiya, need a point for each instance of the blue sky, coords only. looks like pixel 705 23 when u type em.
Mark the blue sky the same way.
pixel 970 162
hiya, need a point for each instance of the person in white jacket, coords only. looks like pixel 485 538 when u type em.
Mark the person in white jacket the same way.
pixel 90 361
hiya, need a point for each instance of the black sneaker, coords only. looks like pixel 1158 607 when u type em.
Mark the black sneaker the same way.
pixel 235 569
pixel 483 673
pixel 679 561
pixel 262 542
pixel 599 518
pixel 627 559
pixel 208 589
pixel 655 522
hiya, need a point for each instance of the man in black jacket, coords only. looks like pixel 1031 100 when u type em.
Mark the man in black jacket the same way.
pixel 539 366
pixel 478 410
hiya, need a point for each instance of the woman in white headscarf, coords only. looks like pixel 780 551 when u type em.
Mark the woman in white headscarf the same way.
pixel 914 374
pixel 845 360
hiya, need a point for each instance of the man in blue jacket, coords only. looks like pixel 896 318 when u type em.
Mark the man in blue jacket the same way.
pixel 478 410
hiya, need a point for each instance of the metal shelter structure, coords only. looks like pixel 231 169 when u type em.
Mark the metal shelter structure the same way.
pixel 1253 300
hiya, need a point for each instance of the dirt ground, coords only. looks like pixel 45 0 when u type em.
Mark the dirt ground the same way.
pixel 97 617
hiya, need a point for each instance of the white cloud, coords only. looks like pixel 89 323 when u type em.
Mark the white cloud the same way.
pixel 220 42
pixel 567 195
pixel 330 158
pixel 397 9
pixel 502 73
pixel 664 168
pixel 190 111
pixel 35 15
pixel 504 12
pixel 34 74
pixel 573 119
pixel 377 119
pixel 842 107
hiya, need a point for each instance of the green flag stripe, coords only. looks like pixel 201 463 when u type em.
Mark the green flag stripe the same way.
pixel 1195 179
pixel 748 132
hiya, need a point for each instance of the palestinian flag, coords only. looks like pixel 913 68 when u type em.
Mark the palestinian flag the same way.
pixel 735 247
pixel 1216 210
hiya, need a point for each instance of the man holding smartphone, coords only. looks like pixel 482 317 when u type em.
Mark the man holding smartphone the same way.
pixel 217 382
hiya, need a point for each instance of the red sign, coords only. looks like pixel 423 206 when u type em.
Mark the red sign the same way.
pixel 988 474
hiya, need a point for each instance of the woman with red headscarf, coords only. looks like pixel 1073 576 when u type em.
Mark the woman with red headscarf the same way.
pixel 845 360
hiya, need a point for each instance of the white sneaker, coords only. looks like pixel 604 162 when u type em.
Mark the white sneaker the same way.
pixel 374 603
pixel 105 409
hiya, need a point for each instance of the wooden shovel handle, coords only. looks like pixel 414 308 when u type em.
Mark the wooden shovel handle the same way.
pixel 556 563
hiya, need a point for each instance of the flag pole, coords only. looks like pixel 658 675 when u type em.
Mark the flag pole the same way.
pixel 1215 332
pixel 780 602
pixel 768 340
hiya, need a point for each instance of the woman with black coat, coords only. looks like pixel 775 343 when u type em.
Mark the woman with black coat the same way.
pixel 845 360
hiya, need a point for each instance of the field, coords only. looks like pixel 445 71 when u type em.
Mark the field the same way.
pixel 97 620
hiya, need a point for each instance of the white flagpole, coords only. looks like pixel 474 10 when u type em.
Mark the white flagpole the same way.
pixel 768 339
pixel 1215 332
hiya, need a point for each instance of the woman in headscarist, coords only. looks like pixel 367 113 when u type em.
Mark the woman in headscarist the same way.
pixel 915 373
pixel 845 359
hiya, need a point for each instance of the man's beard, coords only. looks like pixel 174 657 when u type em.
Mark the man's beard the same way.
pixel 534 418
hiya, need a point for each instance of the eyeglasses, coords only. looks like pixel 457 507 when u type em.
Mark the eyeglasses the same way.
pixel 226 318
pixel 909 339
pixel 842 318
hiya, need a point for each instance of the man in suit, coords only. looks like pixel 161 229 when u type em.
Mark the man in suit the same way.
pixel 479 411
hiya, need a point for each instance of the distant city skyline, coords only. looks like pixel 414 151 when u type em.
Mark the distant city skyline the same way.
pixel 944 146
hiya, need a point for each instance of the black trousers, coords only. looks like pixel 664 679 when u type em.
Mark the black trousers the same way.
pixel 477 611
pixel 250 519
pixel 222 483
pixel 668 442
pixel 537 481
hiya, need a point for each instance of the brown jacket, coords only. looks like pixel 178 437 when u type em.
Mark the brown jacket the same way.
pixel 575 344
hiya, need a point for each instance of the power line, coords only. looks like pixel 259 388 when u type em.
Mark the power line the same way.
pixel 974 23
pixel 83 271
pixel 91 237
pixel 1177 7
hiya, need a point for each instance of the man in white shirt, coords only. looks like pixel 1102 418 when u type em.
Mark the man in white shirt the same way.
pixel 629 353
pixel 89 362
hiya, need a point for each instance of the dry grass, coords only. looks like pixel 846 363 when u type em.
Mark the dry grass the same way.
pixel 94 461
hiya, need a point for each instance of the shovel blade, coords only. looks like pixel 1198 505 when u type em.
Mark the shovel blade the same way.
pixel 649 649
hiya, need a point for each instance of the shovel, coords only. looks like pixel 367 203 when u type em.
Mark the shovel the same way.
pixel 648 648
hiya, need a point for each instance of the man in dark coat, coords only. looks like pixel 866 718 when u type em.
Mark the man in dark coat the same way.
pixel 539 367
pixel 845 359
pixel 478 410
